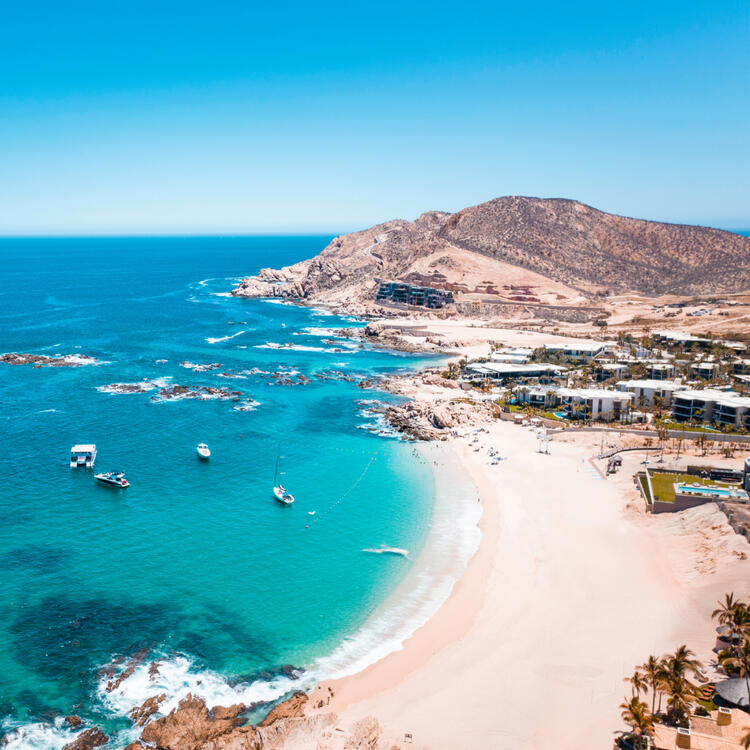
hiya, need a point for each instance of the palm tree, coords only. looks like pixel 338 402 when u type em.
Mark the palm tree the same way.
pixel 653 671
pixel 681 662
pixel 637 683
pixel 679 702
pixel 735 615
pixel 635 713
pixel 680 689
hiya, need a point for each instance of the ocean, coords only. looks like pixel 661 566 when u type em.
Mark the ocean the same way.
pixel 238 598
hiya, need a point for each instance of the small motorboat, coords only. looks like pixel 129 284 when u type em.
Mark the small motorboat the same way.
pixel 203 451
pixel 113 479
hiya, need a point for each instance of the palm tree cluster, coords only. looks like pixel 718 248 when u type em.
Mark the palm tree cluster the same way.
pixel 667 676
pixel 734 615
pixel 672 676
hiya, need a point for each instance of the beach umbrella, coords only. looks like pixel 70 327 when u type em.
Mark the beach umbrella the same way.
pixel 733 691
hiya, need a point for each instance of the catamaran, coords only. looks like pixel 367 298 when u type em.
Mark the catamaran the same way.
pixel 280 492
pixel 203 451
pixel 113 479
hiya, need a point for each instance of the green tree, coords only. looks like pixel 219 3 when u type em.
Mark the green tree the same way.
pixel 635 713
pixel 654 672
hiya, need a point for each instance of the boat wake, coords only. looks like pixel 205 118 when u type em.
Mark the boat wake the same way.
pixel 224 338
pixel 386 550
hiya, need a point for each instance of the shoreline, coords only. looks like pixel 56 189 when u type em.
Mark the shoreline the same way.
pixel 440 567
pixel 450 620
pixel 558 536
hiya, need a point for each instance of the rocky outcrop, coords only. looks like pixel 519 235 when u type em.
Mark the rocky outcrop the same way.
pixel 191 726
pixel 432 420
pixel 87 740
pixel 290 708
pixel 141 714
pixel 38 360
pixel 203 392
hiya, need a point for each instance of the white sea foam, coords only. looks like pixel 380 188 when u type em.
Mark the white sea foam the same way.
pixel 221 294
pixel 142 386
pixel 338 349
pixel 178 676
pixel 247 405
pixel 45 411
pixel 38 736
pixel 224 338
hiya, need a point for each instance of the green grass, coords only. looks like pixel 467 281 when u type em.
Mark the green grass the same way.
pixel 644 487
pixel 663 484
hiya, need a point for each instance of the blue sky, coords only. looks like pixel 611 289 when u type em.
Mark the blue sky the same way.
pixel 204 117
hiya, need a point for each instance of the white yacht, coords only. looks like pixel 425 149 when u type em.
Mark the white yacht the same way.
pixel 113 479
pixel 82 455
pixel 203 451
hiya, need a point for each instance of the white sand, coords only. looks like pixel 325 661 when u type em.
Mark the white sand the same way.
pixel 571 587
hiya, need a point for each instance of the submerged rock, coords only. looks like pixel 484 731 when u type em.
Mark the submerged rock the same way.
pixel 203 392
pixel 64 360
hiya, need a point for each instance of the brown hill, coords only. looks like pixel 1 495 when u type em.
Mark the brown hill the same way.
pixel 516 250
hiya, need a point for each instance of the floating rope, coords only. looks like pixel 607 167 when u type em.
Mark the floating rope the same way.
pixel 359 479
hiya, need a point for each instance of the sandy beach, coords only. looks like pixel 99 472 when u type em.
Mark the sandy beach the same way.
pixel 572 586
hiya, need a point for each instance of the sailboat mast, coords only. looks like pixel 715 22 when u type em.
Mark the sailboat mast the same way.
pixel 276 472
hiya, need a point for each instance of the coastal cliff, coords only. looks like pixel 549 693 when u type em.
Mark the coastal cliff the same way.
pixel 514 251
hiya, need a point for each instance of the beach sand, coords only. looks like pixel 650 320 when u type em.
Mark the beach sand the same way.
pixel 572 586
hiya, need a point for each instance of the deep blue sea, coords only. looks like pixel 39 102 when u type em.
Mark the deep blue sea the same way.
pixel 194 563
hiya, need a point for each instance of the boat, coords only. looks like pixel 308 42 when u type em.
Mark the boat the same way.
pixel 279 491
pixel 113 479
pixel 82 455
pixel 203 451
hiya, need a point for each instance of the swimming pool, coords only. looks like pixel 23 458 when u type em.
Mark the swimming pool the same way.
pixel 695 489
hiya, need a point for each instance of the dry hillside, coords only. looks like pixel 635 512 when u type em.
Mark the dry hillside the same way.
pixel 515 251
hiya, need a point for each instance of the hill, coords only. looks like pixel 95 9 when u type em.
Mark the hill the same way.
pixel 555 253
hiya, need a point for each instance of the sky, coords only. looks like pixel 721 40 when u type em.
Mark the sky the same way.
pixel 215 117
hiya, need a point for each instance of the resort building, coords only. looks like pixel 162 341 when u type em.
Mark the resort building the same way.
pixel 660 370
pixel 540 397
pixel 719 407
pixel 503 371
pixel 408 294
pixel 517 355
pixel 723 729
pixel 680 338
pixel 594 403
pixel 741 367
pixel 705 370
pixel 648 391
pixel 577 403
pixel 581 351
pixel 610 370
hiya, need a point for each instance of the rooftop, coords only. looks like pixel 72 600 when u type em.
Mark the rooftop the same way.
pixel 664 385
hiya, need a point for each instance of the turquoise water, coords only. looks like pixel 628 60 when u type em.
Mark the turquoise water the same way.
pixel 698 490
pixel 195 562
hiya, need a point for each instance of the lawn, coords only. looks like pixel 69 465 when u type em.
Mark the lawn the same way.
pixel 663 484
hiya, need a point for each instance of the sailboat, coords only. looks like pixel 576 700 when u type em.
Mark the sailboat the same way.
pixel 279 492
